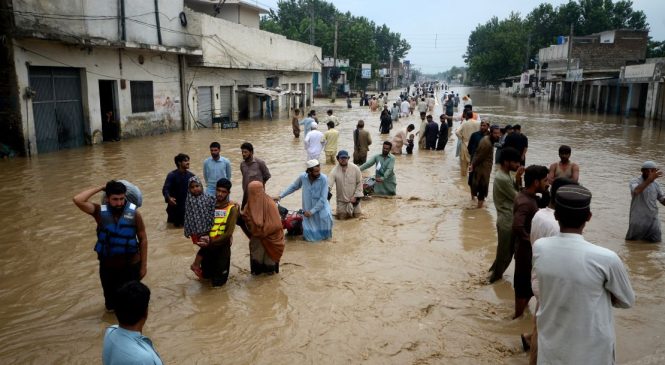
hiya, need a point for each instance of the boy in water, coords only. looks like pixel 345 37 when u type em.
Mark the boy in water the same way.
pixel 410 144
pixel 295 123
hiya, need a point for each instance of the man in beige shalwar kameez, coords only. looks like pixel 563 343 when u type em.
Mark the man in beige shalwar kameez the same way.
pixel 464 132
pixel 349 180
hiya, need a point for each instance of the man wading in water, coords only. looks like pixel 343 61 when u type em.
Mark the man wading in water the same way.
pixel 122 245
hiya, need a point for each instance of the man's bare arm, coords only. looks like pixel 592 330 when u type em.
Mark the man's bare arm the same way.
pixel 81 199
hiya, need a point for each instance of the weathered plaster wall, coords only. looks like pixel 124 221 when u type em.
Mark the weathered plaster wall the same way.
pixel 104 64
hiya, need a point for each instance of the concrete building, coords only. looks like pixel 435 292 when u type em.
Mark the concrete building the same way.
pixel 604 72
pixel 244 72
pixel 76 68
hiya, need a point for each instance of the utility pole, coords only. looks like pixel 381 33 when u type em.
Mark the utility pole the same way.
pixel 570 48
pixel 526 58
pixel 334 86
pixel 391 85
pixel 311 24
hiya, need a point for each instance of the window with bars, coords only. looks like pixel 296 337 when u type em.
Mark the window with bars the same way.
pixel 142 96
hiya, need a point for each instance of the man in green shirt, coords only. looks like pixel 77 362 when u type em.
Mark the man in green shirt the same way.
pixel 504 190
pixel 386 183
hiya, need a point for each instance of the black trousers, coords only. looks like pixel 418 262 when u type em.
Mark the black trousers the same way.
pixel 216 263
pixel 114 272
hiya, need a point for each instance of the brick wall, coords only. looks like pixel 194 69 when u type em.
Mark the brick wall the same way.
pixel 629 47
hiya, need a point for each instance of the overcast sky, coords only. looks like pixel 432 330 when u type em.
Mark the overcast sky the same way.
pixel 438 30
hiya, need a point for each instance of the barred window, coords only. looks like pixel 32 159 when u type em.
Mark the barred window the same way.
pixel 142 98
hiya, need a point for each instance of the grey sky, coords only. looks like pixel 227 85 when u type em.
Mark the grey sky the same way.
pixel 438 30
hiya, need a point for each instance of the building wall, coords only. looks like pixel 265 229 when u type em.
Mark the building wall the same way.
pixel 226 45
pixel 219 77
pixel 628 46
pixel 101 20
pixel 104 64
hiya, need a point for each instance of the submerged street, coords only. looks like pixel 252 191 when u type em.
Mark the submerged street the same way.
pixel 404 284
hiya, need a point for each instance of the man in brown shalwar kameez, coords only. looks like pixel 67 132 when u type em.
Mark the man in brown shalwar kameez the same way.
pixel 481 165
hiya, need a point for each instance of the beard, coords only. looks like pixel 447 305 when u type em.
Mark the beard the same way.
pixel 117 210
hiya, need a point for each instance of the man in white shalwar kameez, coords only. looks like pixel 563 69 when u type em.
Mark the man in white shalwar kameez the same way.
pixel 314 142
pixel 349 181
pixel 578 284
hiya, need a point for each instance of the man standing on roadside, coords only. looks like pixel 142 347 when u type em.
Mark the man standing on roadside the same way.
pixel 643 223
pixel 518 141
pixel 524 208
pixel 481 165
pixel 578 284
pixel 503 192
pixel 215 167
pixel 349 181
pixel 175 190
pixel 361 142
pixel 122 244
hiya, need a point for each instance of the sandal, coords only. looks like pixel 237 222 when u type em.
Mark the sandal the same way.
pixel 197 271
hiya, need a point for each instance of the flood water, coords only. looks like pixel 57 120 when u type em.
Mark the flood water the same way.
pixel 402 285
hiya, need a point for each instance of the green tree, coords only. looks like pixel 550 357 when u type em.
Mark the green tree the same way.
pixel 359 39
pixel 498 48
pixel 655 49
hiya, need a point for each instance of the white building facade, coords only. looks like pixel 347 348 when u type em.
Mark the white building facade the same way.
pixel 79 66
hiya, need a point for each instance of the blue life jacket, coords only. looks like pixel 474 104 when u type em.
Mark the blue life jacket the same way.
pixel 116 238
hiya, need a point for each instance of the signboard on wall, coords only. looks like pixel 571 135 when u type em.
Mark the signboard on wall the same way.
pixel 366 70
pixel 524 79
pixel 575 75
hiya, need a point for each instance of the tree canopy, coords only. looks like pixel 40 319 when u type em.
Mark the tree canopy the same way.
pixel 501 48
pixel 359 39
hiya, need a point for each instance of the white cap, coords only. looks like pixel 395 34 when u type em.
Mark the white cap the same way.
pixel 314 125
pixel 312 163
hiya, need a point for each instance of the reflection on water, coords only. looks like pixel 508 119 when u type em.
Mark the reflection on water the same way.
pixel 404 284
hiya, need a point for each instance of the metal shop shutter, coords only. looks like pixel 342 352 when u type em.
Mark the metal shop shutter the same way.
pixel 205 105
pixel 226 100
pixel 57 108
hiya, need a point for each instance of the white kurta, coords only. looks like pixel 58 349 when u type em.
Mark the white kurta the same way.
pixel 578 282
pixel 543 225
pixel 314 142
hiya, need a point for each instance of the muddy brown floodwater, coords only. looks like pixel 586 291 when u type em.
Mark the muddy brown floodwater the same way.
pixel 402 285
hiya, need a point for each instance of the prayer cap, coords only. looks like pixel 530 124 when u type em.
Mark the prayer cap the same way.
pixel 342 153
pixel 574 197
pixel 649 165
pixel 314 125
pixel 312 163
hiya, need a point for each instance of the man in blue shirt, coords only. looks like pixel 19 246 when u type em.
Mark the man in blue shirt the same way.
pixel 124 343
pixel 215 167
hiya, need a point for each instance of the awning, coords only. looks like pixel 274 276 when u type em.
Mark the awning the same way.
pixel 261 91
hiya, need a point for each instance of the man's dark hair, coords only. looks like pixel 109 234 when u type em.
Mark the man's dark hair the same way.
pixel 132 303
pixel 533 173
pixel 571 218
pixel 559 182
pixel 247 146
pixel 468 114
pixel 115 188
pixel 329 112
pixel 410 127
pixel 215 145
pixel 565 150
pixel 422 113
pixel 517 127
pixel 331 124
pixel 311 112
pixel 224 183
pixel 180 158
pixel 509 154
pixel 297 111
pixel 388 143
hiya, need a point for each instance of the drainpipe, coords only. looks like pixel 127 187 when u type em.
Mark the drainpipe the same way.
pixel 123 33
pixel 184 96
pixel 159 29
